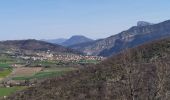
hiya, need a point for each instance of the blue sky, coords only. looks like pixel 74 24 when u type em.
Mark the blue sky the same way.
pixel 49 19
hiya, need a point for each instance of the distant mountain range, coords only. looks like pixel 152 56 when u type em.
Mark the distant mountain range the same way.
pixel 136 35
pixel 76 39
pixel 33 45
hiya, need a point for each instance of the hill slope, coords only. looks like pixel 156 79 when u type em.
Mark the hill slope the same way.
pixel 137 74
pixel 132 37
pixel 32 45
pixel 77 39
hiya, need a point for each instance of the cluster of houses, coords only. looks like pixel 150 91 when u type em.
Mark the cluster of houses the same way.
pixel 57 57
pixel 76 58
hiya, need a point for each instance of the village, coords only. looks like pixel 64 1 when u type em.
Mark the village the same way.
pixel 42 56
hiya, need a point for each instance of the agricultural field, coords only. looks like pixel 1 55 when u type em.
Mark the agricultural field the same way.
pixel 18 74
pixel 43 63
pixel 5 65
pixel 45 73
pixel 61 63
pixel 5 70
pixel 21 73
pixel 25 71
pixel 5 58
pixel 88 61
pixel 7 91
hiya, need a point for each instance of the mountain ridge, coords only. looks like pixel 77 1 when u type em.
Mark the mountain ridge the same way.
pixel 126 39
pixel 33 45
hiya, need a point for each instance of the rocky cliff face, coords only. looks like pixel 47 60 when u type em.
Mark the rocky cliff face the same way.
pixel 132 37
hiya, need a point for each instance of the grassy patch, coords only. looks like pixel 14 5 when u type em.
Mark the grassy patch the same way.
pixel 5 73
pixel 61 69
pixel 44 63
pixel 4 65
pixel 48 74
pixel 21 78
pixel 88 61
pixel 4 58
pixel 40 75
pixel 8 91
pixel 51 72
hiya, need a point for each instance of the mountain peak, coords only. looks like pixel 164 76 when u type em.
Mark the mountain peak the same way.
pixel 79 37
pixel 143 23
pixel 76 39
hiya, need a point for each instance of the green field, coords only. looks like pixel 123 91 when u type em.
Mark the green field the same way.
pixel 7 91
pixel 43 63
pixel 6 59
pixel 39 75
pixel 4 65
pixel 88 61
pixel 5 69
pixel 45 74
pixel 5 72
